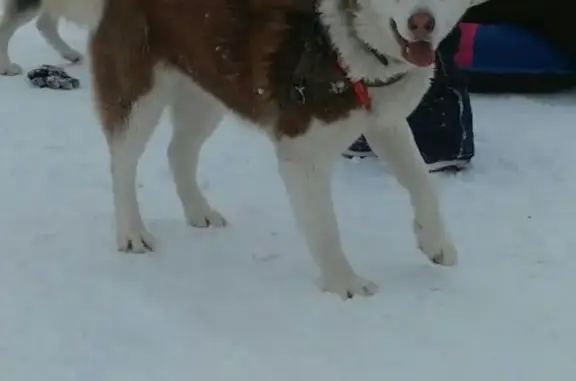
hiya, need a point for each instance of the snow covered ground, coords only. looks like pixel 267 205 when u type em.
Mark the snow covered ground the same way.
pixel 240 303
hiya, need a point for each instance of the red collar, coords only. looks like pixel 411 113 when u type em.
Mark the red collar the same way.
pixel 360 89
pixel 362 94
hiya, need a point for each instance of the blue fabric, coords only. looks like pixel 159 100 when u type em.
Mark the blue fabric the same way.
pixel 507 49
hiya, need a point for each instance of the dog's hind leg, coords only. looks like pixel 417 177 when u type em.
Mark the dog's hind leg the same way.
pixel 47 25
pixel 127 144
pixel 194 117
pixel 305 165
pixel 15 15
pixel 395 144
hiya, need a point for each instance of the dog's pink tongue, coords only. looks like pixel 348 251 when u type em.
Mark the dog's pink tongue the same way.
pixel 420 53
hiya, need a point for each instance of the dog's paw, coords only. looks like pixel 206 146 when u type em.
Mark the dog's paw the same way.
pixel 136 241
pixel 206 218
pixel 10 69
pixel 73 56
pixel 347 287
pixel 436 245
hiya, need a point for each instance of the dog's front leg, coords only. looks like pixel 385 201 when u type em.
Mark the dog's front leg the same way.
pixel 395 143
pixel 306 174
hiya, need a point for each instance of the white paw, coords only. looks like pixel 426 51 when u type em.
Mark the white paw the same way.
pixel 136 241
pixel 72 56
pixel 10 69
pixel 436 244
pixel 347 287
pixel 206 218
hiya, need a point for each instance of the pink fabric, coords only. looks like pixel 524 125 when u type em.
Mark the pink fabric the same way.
pixel 465 53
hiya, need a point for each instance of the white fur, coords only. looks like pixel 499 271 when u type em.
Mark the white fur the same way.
pixel 305 162
pixel 305 165
pixel 82 12
pixel 125 153
pixel 47 25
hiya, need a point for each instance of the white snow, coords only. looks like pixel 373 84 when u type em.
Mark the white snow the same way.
pixel 240 303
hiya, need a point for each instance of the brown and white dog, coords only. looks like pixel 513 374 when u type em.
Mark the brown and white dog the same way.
pixel 19 12
pixel 312 75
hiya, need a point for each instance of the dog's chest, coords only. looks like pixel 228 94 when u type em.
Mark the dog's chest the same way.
pixel 398 101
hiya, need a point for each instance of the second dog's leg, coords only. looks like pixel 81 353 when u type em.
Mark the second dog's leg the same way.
pixel 11 21
pixel 395 144
pixel 48 26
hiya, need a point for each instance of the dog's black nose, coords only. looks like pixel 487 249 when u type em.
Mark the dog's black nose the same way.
pixel 421 25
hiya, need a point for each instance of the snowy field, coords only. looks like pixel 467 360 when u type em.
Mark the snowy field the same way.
pixel 240 303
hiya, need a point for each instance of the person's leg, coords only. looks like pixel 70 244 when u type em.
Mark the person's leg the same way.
pixel 442 122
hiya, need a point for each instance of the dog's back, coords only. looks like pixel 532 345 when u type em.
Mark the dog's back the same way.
pixel 243 52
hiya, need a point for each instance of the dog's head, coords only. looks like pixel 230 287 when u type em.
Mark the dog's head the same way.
pixel 408 30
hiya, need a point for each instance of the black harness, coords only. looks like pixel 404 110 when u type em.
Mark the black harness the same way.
pixel 317 73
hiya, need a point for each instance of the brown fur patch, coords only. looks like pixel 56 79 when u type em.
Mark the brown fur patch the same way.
pixel 244 52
